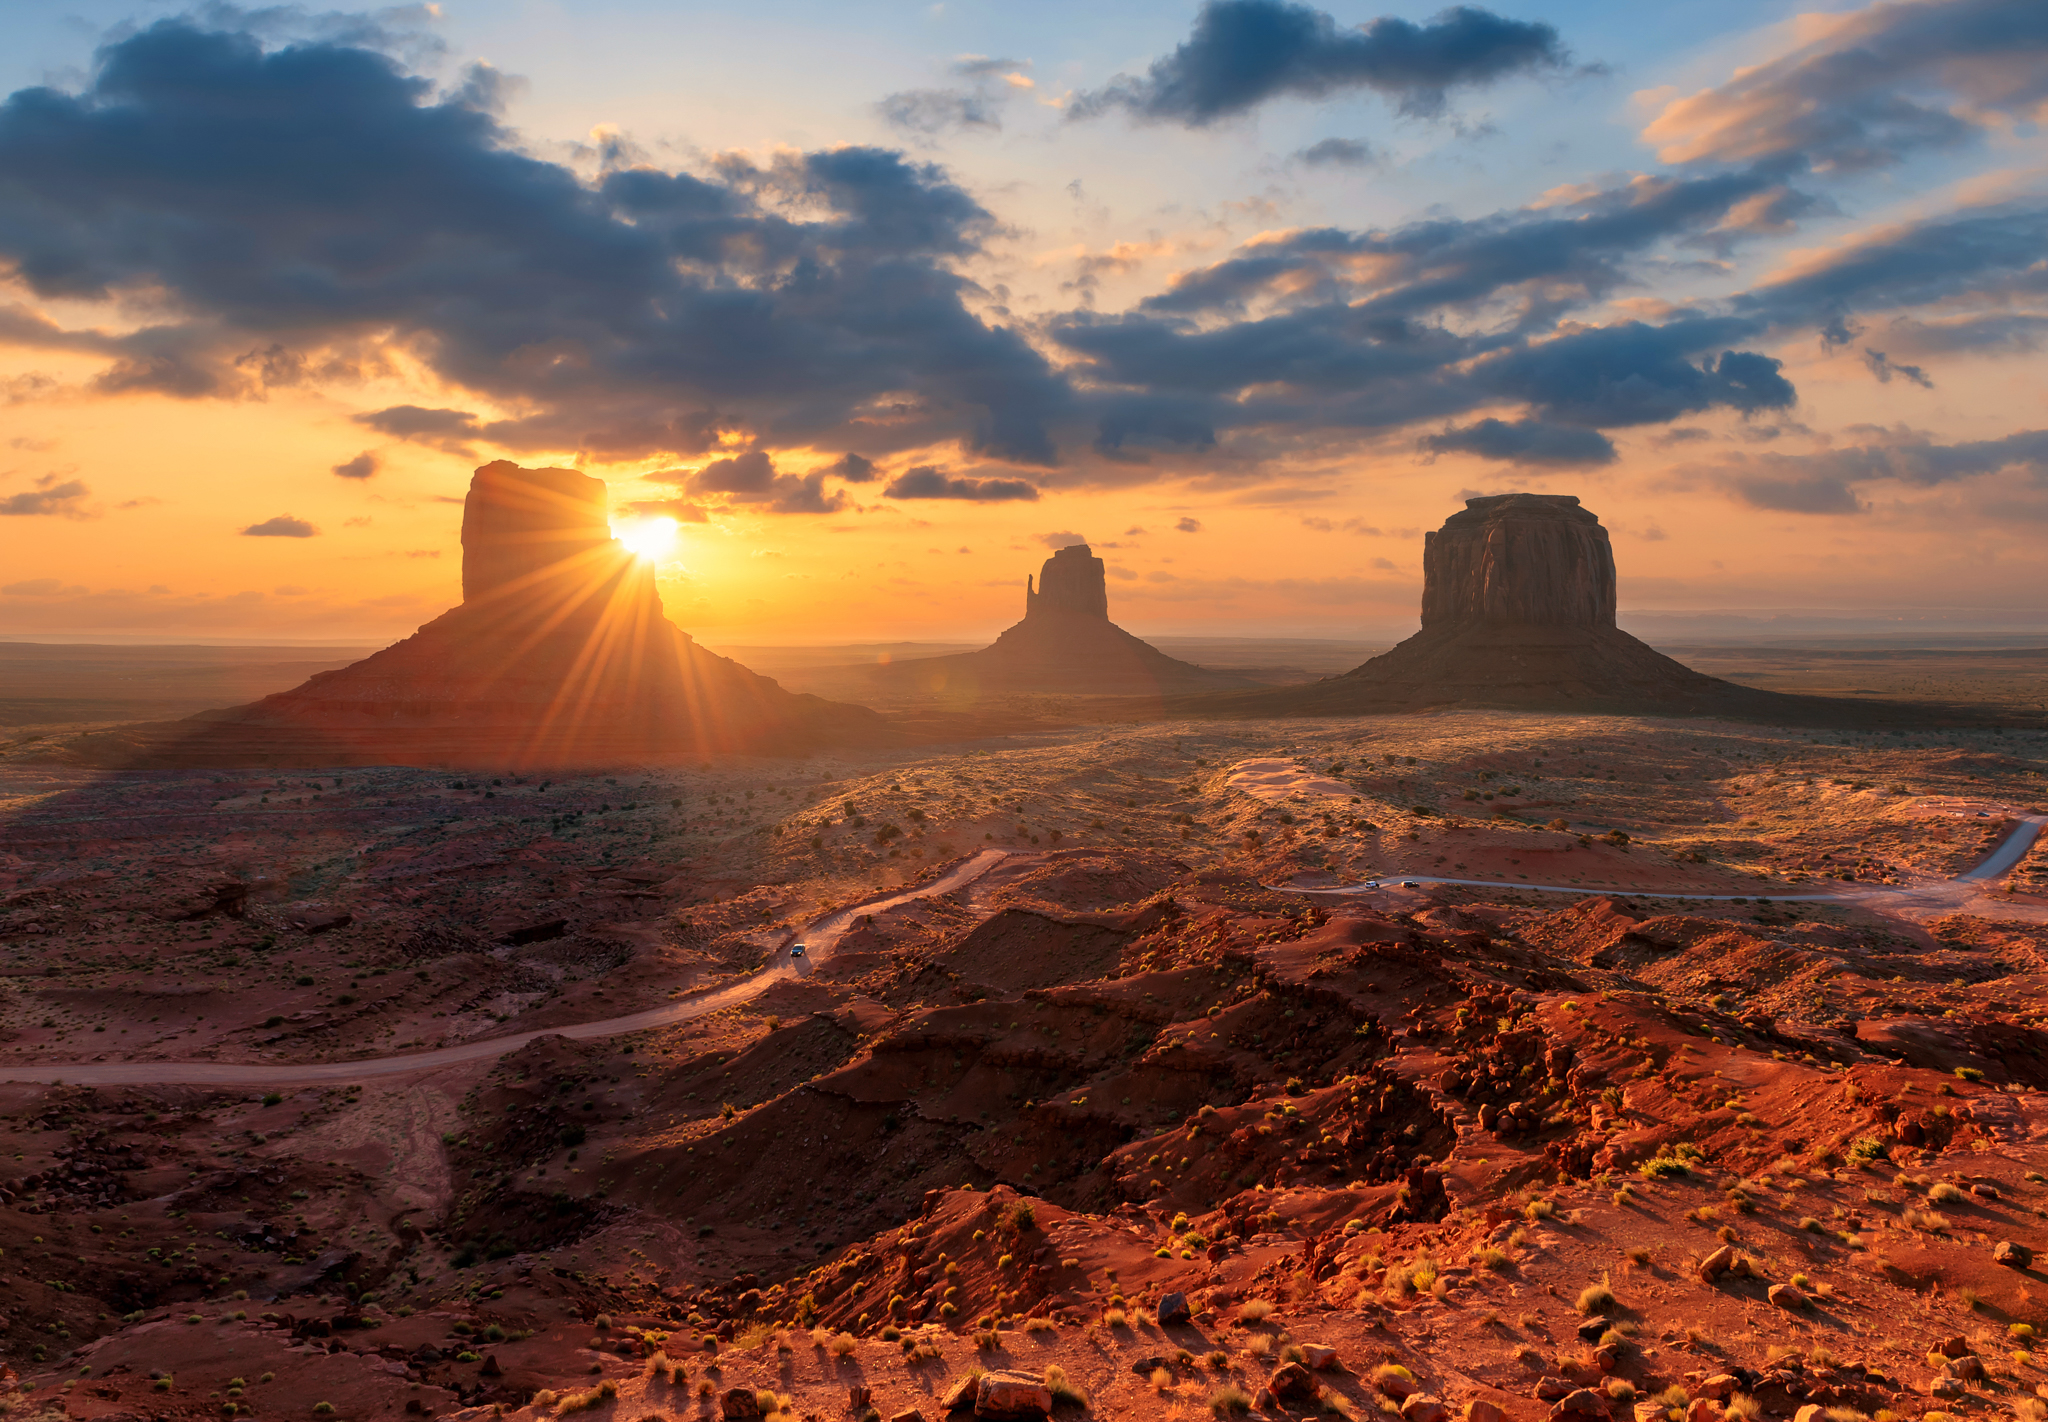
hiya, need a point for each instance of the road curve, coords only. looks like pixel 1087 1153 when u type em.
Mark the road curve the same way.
pixel 819 939
pixel 2009 852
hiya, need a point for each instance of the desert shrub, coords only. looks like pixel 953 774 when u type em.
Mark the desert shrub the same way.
pixel 842 1344
pixel 1115 1318
pixel 1255 1311
pixel 1742 1408
pixel 1063 1390
pixel 1621 1390
pixel 1230 1401
pixel 1598 1298
pixel 1217 1359
pixel 1259 1345
pixel 1933 1221
pixel 1944 1194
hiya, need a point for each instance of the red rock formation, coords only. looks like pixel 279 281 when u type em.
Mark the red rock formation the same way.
pixel 1535 560
pixel 1065 645
pixel 1518 607
pixel 559 655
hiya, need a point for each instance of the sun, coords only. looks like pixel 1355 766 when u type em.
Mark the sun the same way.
pixel 649 538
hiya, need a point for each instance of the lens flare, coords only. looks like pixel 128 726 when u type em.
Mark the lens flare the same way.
pixel 649 538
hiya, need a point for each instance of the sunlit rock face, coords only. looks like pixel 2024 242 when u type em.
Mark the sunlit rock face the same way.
pixel 1529 558
pixel 560 655
pixel 1066 645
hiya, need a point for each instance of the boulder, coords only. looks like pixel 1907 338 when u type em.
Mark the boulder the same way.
pixel 1173 1308
pixel 908 1414
pixel 739 1402
pixel 1703 1409
pixel 1945 1387
pixel 1480 1410
pixel 1955 1347
pixel 1319 1357
pixel 1397 1383
pixel 859 1395
pixel 1421 1407
pixel 961 1393
pixel 1549 1389
pixel 1580 1402
pixel 1011 1394
pixel 1789 1298
pixel 1593 1329
pixel 1969 1367
pixel 1812 1412
pixel 1718 1263
pixel 1607 1358
pixel 1721 1386
pixel 1650 1411
pixel 1291 1383
pixel 2013 1256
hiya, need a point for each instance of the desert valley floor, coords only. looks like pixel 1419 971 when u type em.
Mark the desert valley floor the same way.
pixel 1716 1096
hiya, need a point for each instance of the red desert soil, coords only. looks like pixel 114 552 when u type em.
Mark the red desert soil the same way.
pixel 1585 1154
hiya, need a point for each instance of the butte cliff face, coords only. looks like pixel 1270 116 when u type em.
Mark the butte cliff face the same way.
pixel 1536 560
pixel 559 656
pixel 1518 608
pixel 1066 645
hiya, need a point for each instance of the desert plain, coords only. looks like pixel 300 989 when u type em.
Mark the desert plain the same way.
pixel 1171 1062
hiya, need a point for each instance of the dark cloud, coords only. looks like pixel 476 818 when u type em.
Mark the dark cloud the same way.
pixel 1339 153
pixel 1525 442
pixel 51 496
pixel 854 469
pixel 1060 540
pixel 751 479
pixel 1871 87
pixel 927 113
pixel 317 194
pixel 1827 482
pixel 283 526
pixel 361 467
pixel 1633 373
pixel 1884 368
pixel 926 482
pixel 1987 256
pixel 449 430
pixel 1244 52
pixel 1188 525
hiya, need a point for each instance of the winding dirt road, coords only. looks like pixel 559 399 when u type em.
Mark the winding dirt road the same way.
pixel 819 939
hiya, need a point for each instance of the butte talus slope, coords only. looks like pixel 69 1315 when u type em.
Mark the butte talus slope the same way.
pixel 559 655
pixel 1065 645
pixel 1518 612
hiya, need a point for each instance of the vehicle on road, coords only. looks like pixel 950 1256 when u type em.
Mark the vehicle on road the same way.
pixel 796 950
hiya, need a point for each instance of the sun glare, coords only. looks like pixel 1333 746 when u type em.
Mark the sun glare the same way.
pixel 648 538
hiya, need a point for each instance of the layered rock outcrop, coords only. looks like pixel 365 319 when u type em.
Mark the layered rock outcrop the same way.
pixel 1518 608
pixel 1535 560
pixel 1066 645
pixel 559 656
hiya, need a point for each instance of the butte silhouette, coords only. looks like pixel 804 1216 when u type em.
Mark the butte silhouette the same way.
pixel 1065 645
pixel 1518 603
pixel 558 656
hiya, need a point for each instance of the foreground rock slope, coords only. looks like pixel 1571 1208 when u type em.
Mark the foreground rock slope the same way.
pixel 1116 1126
pixel 559 655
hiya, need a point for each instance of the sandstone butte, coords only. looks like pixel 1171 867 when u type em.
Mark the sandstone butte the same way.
pixel 559 655
pixel 1065 645
pixel 1518 613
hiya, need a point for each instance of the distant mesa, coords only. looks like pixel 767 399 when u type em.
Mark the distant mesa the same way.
pixel 1066 645
pixel 559 655
pixel 1518 608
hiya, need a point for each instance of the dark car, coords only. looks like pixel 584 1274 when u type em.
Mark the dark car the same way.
pixel 796 950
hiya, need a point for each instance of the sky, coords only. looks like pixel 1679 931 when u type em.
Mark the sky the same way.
pixel 872 305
